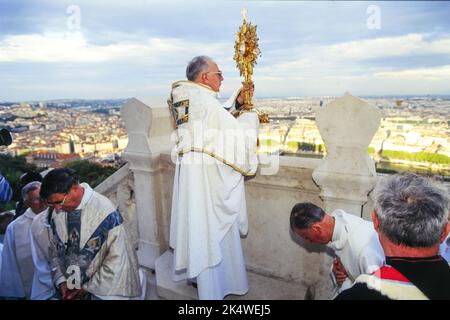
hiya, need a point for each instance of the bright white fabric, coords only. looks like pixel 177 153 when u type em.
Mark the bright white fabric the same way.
pixel 213 130
pixel 43 287
pixel 229 276
pixel 17 264
pixel 208 206
pixel 356 243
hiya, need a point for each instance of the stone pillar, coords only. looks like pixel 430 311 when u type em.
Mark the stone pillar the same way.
pixel 149 129
pixel 347 174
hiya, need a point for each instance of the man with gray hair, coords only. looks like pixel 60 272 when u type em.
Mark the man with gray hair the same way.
pixel 214 152
pixel 411 219
pixel 17 264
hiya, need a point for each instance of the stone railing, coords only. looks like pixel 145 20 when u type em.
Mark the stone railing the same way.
pixel 280 265
pixel 119 189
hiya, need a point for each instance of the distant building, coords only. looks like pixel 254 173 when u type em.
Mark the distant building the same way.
pixel 50 159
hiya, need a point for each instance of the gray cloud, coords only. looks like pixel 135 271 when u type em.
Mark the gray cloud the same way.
pixel 307 47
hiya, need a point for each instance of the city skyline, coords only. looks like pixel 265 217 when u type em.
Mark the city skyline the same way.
pixel 51 102
pixel 413 134
pixel 107 50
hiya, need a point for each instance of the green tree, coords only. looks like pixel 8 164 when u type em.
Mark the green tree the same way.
pixel 293 145
pixel 90 172
pixel 322 148
pixel 417 156
pixel 305 146
pixel 268 142
pixel 12 168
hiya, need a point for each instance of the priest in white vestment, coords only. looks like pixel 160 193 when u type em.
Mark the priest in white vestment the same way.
pixel 215 151
pixel 353 239
pixel 356 243
pixel 17 269
pixel 42 288
pixel 91 256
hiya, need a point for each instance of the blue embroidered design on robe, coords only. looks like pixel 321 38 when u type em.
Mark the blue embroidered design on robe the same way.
pixel 83 258
pixel 97 239
pixel 73 229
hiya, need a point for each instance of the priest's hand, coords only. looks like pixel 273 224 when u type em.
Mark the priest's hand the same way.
pixel 75 294
pixel 339 271
pixel 68 294
pixel 246 87
pixel 63 290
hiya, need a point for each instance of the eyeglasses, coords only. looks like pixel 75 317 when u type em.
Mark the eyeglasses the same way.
pixel 216 72
pixel 58 203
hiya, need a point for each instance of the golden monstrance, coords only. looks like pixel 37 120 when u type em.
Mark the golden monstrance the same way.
pixel 246 51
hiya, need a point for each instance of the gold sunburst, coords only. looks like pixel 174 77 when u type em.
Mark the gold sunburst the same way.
pixel 246 52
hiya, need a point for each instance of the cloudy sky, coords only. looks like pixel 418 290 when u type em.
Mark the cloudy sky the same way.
pixel 119 49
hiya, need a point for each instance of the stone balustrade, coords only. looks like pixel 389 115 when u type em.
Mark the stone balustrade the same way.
pixel 280 265
pixel 119 188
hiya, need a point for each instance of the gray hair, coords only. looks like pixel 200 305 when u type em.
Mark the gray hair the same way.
pixel 29 188
pixel 412 210
pixel 305 214
pixel 197 65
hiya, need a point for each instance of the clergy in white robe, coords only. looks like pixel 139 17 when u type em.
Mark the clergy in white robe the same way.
pixel 17 265
pixel 17 269
pixel 42 288
pixel 215 152
pixel 90 251
pixel 356 243
pixel 353 239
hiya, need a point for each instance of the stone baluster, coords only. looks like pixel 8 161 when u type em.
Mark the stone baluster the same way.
pixel 149 130
pixel 119 188
pixel 347 173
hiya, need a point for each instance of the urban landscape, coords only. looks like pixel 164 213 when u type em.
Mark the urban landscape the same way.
pixel 51 133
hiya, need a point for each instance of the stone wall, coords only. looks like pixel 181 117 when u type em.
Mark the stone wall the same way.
pixel 343 179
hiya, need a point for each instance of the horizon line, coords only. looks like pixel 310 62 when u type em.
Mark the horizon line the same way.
pixel 438 95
